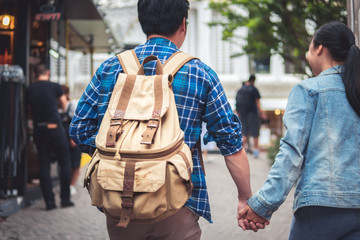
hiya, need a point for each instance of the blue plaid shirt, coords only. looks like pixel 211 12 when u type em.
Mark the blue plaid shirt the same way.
pixel 199 97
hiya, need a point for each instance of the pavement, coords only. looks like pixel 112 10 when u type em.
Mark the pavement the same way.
pixel 85 222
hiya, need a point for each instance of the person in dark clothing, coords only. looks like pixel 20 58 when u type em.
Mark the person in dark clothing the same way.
pixel 250 113
pixel 49 135
pixel 75 151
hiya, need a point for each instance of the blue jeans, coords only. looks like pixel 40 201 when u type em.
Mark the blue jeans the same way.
pixel 325 223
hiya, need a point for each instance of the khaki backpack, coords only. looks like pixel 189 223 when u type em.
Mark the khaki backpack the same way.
pixel 141 169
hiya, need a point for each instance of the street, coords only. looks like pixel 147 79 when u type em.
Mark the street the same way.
pixel 85 222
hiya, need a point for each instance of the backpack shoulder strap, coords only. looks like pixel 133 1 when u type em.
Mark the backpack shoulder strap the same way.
pixel 129 61
pixel 176 61
pixel 172 65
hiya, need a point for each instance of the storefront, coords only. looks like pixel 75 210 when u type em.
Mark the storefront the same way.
pixel 32 32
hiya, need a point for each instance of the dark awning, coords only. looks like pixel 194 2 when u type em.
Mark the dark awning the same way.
pixel 87 29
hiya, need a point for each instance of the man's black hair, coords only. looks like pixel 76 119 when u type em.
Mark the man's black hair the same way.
pixel 252 78
pixel 41 69
pixel 162 17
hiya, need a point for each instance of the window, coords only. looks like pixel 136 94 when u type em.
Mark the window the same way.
pixel 259 64
pixel 221 50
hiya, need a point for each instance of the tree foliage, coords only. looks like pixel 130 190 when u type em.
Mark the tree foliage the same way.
pixel 277 26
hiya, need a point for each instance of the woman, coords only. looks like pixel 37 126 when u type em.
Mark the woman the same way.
pixel 320 152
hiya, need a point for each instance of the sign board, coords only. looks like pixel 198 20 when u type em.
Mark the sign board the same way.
pixel 55 16
pixel 48 12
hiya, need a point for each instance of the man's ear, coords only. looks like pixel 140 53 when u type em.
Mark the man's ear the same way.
pixel 183 25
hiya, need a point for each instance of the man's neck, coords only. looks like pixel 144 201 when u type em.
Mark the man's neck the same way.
pixel 43 78
pixel 174 39
pixel 177 38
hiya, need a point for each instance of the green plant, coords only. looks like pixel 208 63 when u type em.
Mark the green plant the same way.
pixel 273 149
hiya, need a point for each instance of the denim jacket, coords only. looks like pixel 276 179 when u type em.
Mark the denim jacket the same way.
pixel 320 151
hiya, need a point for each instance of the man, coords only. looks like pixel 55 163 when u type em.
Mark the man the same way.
pixel 249 110
pixel 43 97
pixel 199 97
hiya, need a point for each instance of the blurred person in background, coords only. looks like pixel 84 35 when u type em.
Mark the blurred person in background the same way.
pixel 43 98
pixel 75 152
pixel 250 113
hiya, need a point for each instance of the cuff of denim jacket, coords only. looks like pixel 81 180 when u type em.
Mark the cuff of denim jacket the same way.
pixel 260 206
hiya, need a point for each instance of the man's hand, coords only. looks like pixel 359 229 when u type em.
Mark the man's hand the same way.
pixel 242 204
pixel 72 143
pixel 249 220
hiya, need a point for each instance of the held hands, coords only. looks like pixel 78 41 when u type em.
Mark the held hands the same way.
pixel 248 219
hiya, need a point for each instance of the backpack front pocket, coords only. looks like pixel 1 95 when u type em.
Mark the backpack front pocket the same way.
pixel 149 176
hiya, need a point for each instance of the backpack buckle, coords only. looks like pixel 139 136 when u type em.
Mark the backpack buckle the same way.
pixel 112 134
pixel 116 122
pixel 150 131
pixel 153 123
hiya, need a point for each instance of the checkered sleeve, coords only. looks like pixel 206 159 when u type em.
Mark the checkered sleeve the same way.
pixel 84 125
pixel 223 125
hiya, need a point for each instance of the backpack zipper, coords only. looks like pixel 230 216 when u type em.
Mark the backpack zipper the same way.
pixel 154 156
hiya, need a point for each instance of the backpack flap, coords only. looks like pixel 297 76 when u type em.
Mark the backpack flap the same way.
pixel 137 97
pixel 140 97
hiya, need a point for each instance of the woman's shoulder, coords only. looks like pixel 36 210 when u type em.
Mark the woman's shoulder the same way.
pixel 322 82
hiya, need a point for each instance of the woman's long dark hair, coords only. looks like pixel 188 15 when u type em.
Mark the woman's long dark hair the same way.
pixel 340 41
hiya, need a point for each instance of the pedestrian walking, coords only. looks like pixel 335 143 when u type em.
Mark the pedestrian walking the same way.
pixel 249 110
pixel 320 151
pixel 75 151
pixel 199 96
pixel 43 97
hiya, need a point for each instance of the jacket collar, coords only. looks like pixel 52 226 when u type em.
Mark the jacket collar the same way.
pixel 338 69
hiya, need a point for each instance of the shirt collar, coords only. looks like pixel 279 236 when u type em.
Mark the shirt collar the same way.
pixel 161 41
pixel 338 69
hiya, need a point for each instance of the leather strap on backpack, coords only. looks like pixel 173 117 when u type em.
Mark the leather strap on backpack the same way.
pixel 127 196
pixel 117 120
pixel 153 123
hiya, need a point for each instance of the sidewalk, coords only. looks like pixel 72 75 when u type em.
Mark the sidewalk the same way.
pixel 11 205
pixel 85 222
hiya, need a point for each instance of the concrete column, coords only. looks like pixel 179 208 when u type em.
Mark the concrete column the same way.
pixel 353 9
pixel 204 17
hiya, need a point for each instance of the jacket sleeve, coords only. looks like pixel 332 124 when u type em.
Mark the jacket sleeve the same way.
pixel 289 161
